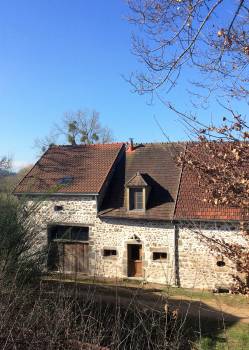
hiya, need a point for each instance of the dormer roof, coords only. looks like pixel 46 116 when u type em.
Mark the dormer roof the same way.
pixel 137 181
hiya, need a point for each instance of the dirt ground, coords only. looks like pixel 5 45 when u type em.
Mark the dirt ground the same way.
pixel 154 296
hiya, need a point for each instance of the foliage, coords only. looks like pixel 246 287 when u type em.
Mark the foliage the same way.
pixel 4 164
pixel 10 179
pixel 20 261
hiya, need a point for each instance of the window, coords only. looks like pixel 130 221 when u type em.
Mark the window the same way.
pixel 136 199
pixel 220 263
pixel 74 233
pixel 58 208
pixel 66 180
pixel 109 252
pixel 159 255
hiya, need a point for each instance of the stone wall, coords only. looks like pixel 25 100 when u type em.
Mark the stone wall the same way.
pixel 194 262
pixel 197 264
pixel 153 236
pixel 111 234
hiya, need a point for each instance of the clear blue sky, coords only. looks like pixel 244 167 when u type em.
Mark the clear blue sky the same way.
pixel 61 55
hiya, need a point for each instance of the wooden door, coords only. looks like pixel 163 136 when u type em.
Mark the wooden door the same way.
pixel 82 258
pixel 135 264
pixel 75 258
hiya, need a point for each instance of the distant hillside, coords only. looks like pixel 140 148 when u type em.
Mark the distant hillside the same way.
pixel 9 179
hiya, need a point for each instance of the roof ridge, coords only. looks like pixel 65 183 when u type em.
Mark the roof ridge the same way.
pixel 88 145
pixel 161 143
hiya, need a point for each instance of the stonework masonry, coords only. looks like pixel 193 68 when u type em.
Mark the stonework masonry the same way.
pixel 189 262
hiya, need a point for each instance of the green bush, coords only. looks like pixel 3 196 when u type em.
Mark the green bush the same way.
pixel 20 258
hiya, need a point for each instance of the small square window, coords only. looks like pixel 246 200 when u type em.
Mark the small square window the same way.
pixel 110 252
pixel 220 263
pixel 159 255
pixel 58 208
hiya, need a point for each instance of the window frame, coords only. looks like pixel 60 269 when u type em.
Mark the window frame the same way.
pixel 67 233
pixel 109 256
pixel 159 259
pixel 133 200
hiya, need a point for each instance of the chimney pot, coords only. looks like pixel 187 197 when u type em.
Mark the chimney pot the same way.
pixel 131 146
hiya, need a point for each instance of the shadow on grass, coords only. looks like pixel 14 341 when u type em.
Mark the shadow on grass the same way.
pixel 204 327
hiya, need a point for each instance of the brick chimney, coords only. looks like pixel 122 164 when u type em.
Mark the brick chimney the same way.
pixel 130 146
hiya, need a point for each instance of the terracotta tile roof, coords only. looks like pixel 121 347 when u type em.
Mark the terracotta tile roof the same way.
pixel 157 165
pixel 190 203
pixel 176 193
pixel 82 168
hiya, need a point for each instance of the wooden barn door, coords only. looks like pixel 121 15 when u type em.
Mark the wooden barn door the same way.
pixel 135 264
pixel 75 257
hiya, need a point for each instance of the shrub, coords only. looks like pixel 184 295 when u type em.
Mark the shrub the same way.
pixel 20 261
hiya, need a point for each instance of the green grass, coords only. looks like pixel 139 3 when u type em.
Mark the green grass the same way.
pixel 235 337
pixel 195 294
pixel 215 336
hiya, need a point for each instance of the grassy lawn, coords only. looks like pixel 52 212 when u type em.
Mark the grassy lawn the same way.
pixel 195 294
pixel 217 337
pixel 235 337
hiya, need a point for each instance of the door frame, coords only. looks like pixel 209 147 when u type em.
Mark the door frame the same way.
pixel 128 260
pixel 60 242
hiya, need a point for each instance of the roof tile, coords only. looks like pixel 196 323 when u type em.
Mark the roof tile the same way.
pixel 190 203
pixel 157 165
pixel 88 165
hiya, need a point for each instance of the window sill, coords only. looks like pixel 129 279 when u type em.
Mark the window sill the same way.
pixel 61 240
pixel 137 210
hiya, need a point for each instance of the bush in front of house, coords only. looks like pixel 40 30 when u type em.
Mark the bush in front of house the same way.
pixel 20 262
pixel 58 317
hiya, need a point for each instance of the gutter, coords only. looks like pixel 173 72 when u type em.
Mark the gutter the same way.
pixel 176 256
pixel 184 220
pixel 54 194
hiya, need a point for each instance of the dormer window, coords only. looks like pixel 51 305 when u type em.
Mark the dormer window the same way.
pixel 136 199
pixel 137 192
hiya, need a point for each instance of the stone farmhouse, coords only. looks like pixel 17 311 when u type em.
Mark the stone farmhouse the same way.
pixel 127 211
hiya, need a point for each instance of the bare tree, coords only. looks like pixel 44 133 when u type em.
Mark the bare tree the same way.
pixel 84 127
pixel 42 144
pixel 219 162
pixel 80 127
pixel 209 37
